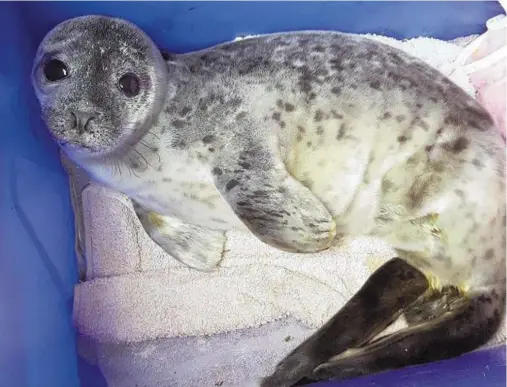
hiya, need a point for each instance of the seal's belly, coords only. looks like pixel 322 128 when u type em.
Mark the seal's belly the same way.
pixel 346 175
pixel 342 153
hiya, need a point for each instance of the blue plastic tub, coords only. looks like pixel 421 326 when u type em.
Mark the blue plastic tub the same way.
pixel 37 265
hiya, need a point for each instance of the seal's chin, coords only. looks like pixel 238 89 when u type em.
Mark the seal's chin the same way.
pixel 75 148
pixel 72 146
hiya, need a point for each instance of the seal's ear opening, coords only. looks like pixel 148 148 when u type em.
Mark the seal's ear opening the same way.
pixel 165 54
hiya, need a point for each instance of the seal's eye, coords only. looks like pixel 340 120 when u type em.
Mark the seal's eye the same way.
pixel 55 70
pixel 129 85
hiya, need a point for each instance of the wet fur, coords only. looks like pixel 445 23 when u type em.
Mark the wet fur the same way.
pixel 302 138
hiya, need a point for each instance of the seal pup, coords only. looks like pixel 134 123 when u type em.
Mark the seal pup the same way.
pixel 301 138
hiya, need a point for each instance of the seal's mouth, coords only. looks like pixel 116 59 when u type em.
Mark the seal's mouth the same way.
pixel 75 146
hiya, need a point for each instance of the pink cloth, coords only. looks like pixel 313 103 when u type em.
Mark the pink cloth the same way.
pixel 485 62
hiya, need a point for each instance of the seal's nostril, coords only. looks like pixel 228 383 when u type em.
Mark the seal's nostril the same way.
pixel 89 120
pixel 74 120
pixel 82 120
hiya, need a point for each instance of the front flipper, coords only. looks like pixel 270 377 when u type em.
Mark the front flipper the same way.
pixel 277 208
pixel 374 307
pixel 197 247
pixel 466 326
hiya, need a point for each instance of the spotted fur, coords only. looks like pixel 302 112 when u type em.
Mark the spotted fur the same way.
pixel 300 138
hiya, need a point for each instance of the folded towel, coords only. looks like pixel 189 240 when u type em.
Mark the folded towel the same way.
pixel 133 291
pixel 151 296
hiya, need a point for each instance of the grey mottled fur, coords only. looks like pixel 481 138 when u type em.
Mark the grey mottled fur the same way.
pixel 300 138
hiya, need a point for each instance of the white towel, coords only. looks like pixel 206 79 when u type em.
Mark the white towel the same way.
pixel 135 292
pixel 153 295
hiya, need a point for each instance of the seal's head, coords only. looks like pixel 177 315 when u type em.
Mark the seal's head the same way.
pixel 100 82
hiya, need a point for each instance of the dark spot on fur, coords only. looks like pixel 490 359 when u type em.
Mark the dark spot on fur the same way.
pixel 301 129
pixel 276 116
pixel 166 180
pixel 289 107
pixel 234 102
pixel 241 116
pixel 178 124
pixel 320 130
pixel 439 131
pixel 428 148
pixel 321 72
pixel 260 194
pixel 457 146
pixel 423 124
pixel 309 144
pixel 336 65
pixel 386 116
pixel 305 81
pixel 319 48
pixel 279 104
pixel 299 138
pixel 319 115
pixel 211 150
pixel 231 184
pixel 336 90
pixel 400 118
pixel 395 58
pixel 185 111
pixel 414 160
pixel 489 254
pixel 208 139
pixel 375 85
pixel 216 171
pixel 402 139
pixel 282 124
pixel 453 120
pixel 460 193
pixel 336 115
pixel 341 132
pixel 477 163
pixel 439 166
pixel 180 144
pixel 387 185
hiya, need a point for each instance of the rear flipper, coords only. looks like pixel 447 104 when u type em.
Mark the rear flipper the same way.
pixel 465 323
pixel 375 306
